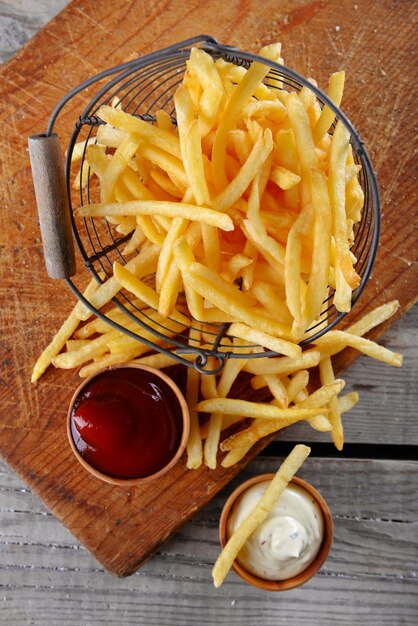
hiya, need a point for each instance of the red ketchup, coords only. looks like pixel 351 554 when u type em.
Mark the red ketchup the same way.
pixel 127 423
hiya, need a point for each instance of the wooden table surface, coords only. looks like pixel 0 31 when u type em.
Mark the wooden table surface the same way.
pixel 46 577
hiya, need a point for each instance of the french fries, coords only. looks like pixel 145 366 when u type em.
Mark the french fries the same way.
pixel 239 215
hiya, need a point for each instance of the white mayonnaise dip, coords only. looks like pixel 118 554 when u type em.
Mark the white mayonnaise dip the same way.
pixel 289 538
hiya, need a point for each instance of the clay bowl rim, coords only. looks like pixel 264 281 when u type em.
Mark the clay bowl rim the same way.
pixel 128 482
pixel 306 574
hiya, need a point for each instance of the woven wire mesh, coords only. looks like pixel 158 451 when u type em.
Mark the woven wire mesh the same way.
pixel 141 88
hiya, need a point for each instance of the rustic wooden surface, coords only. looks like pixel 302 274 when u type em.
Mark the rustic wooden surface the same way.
pixel 43 568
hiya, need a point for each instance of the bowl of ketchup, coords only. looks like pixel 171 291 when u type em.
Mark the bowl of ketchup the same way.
pixel 128 424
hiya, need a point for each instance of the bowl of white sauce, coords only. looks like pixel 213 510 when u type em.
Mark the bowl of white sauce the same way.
pixel 292 543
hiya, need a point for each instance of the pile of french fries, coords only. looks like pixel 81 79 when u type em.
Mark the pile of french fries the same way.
pixel 243 213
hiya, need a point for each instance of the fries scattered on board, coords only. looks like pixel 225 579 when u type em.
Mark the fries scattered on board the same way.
pixel 243 213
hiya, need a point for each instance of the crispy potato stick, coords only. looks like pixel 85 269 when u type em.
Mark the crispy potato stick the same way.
pixel 277 486
pixel 240 97
pixel 343 291
pixel 374 318
pixel 370 348
pixel 190 145
pixel 116 165
pixel 347 401
pixel 154 207
pixel 231 406
pixel 135 126
pixel 318 279
pixel 74 344
pixel 335 93
pixel 64 333
pixel 184 257
pixel 277 390
pixel 283 365
pixel 227 422
pixel 284 178
pixel 336 183
pixel 235 455
pixel 208 382
pixel 323 395
pixel 170 291
pixel 296 384
pixel 210 449
pixel 252 335
pixel 177 228
pixel 326 374
pixel 234 266
pixel 194 443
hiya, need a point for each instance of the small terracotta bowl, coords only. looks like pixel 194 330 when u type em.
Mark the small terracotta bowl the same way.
pixel 184 436
pixel 303 577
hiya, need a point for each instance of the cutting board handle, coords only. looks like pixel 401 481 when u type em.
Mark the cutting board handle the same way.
pixel 53 207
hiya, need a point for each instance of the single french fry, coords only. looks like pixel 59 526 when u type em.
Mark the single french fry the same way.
pixel 154 207
pixel 336 184
pixel 318 278
pixel 235 455
pixel 335 93
pixel 374 318
pixel 74 344
pixel 116 166
pixel 258 410
pixel 284 178
pixel 230 372
pixel 296 384
pixel 347 401
pixel 370 348
pixel 283 365
pixel 170 290
pixel 177 228
pixel 269 297
pixel 326 374
pixel 278 390
pixel 277 486
pixel 194 443
pixel 275 344
pixel 210 449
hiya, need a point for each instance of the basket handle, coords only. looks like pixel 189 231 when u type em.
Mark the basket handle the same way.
pixel 53 207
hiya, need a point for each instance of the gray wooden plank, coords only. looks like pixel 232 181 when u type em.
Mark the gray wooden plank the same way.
pixel 46 576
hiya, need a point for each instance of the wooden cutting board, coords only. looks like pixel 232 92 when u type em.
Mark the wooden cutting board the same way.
pixel 371 40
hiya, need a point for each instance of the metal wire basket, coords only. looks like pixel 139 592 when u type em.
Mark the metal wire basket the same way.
pixel 141 87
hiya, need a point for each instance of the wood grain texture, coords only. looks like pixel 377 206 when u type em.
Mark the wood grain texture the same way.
pixel 368 578
pixel 318 37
